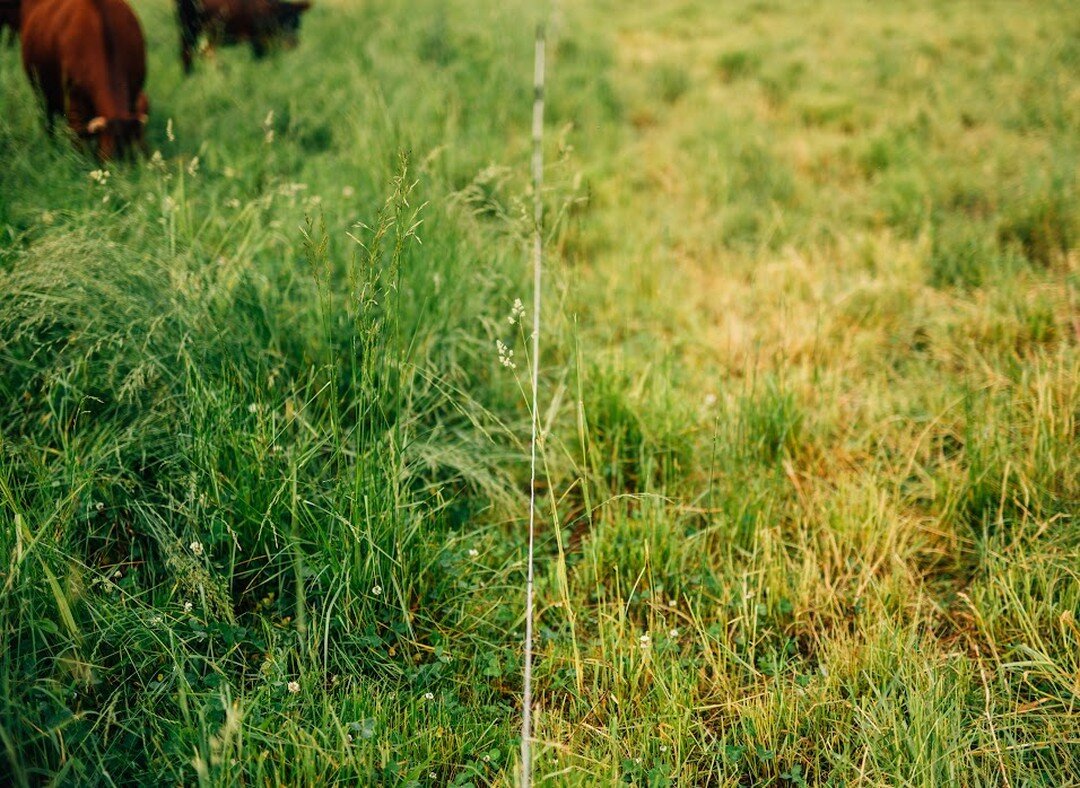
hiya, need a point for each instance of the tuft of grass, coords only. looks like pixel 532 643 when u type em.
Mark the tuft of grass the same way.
pixel 670 82
pixel 737 64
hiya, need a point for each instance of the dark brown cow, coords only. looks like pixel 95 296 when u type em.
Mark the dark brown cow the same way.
pixel 9 18
pixel 262 23
pixel 88 60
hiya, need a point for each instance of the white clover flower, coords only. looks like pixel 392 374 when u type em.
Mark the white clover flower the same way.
pixel 196 548
pixel 294 687
pixel 429 696
pixel 673 634
pixel 473 553
pixel 645 641
pixel 253 407
pixel 188 607
pixel 376 589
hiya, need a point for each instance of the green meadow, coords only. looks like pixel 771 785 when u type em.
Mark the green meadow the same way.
pixel 810 403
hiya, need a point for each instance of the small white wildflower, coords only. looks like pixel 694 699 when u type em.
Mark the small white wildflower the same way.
pixel 673 634
pixel 193 167
pixel 157 621
pixel 506 355
pixel 169 131
pixel 349 738
pixel 429 696
pixel 432 775
pixel 99 507
pixel 710 400
pixel 348 191
pixel 196 548
pixel 188 607
pixel 101 177
pixel 294 687
pixel 473 553
pixel 376 589
pixel 117 573
pixel 663 748
pixel 487 759
pixel 645 641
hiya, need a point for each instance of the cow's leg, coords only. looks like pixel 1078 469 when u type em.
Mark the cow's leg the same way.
pixel 189 38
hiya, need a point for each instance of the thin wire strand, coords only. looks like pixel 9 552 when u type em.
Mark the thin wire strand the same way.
pixel 538 261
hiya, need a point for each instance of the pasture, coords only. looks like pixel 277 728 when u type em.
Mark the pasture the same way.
pixel 810 398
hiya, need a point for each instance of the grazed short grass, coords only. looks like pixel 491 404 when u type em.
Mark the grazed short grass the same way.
pixel 811 396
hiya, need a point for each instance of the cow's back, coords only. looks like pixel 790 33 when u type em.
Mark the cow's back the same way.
pixel 94 46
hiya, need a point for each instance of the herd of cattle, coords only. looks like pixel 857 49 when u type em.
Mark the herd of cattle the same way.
pixel 87 58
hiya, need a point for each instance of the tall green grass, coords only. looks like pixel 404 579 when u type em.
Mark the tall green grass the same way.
pixel 810 418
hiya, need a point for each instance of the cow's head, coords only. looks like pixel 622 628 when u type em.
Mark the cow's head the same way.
pixel 119 137
pixel 282 29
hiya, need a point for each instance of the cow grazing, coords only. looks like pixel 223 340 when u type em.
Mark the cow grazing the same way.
pixel 262 23
pixel 88 60
pixel 9 18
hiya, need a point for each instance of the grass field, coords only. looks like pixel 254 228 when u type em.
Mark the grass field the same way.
pixel 811 394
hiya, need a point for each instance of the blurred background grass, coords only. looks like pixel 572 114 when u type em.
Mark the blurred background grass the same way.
pixel 812 381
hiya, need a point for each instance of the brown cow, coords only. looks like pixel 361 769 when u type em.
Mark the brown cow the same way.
pixel 9 18
pixel 262 23
pixel 88 60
